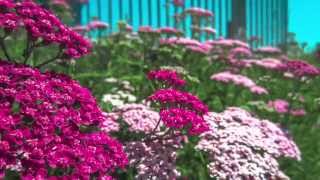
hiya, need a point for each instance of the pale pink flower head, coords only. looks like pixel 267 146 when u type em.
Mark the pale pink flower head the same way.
pixel 97 24
pixel 209 30
pixel 298 112
pixel 240 145
pixel 239 53
pixel 258 90
pixel 268 50
pixel 279 105
pixel 169 31
pixel 195 11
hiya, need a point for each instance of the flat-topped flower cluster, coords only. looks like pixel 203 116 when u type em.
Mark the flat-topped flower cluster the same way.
pixel 48 123
pixel 42 27
pixel 242 146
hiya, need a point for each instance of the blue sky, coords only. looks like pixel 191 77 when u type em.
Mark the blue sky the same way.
pixel 305 20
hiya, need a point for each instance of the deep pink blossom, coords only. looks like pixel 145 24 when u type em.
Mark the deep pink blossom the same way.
pixel 173 97
pixel 168 77
pixel 300 68
pixel 41 24
pixel 49 120
pixel 180 118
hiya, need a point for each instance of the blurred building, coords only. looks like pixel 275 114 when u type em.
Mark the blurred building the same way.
pixel 260 22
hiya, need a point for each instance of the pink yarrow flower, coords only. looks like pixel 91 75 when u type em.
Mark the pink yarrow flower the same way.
pixel 48 121
pixel 279 105
pixel 242 146
pixel 237 79
pixel 168 77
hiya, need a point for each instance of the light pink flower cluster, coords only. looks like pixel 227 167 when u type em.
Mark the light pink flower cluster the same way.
pixel 241 80
pixel 268 50
pixel 181 110
pixel 169 77
pixel 209 30
pixel 242 146
pixel 267 63
pixel 300 68
pixel 239 53
pixel 199 12
pixel 147 29
pixel 155 159
pixel 41 24
pixel 138 117
pixel 169 31
pixel 180 41
pixel 190 44
pixel 202 48
pixel 279 105
pixel 48 122
pixel 228 43
pixel 282 107
pixel 96 24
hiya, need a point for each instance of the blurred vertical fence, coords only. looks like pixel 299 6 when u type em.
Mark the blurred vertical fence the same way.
pixel 260 22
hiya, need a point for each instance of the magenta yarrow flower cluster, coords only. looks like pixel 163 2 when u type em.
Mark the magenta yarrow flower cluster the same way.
pixel 242 146
pixel 300 68
pixel 181 110
pixel 168 77
pixel 41 24
pixel 49 123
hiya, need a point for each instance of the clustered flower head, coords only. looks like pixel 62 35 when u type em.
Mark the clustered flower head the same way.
pixel 42 25
pixel 50 124
pixel 300 68
pixel 239 52
pixel 168 77
pixel 242 146
pixel 190 44
pixel 139 118
pixel 267 63
pixel 268 50
pixel 283 107
pixel 155 159
pixel 195 11
pixel 181 110
pixel 169 31
pixel 241 80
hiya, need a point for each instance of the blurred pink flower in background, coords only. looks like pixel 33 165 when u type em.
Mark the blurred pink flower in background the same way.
pixel 195 11
pixel 97 24
pixel 279 105
pixel 269 50
pixel 241 80
pixel 298 112
pixel 178 2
